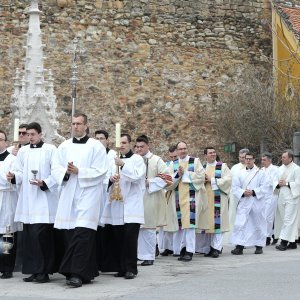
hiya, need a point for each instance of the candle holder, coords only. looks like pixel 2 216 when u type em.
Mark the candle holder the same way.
pixel 116 188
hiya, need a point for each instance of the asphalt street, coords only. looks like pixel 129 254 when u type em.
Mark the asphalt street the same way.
pixel 272 275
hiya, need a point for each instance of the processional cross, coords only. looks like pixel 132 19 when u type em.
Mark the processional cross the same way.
pixel 75 49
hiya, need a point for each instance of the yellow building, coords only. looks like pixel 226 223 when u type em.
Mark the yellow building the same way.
pixel 286 50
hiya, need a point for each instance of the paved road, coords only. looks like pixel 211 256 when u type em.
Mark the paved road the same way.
pixel 273 275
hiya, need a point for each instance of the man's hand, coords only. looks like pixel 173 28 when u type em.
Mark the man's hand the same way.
pixel 10 176
pixel 119 162
pixel 282 182
pixel 207 178
pixel 180 171
pixel 72 169
pixel 248 193
pixel 114 178
pixel 37 182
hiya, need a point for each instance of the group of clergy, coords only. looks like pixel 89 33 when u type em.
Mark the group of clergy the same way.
pixel 80 208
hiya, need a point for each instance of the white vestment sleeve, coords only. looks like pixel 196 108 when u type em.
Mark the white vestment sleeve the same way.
pixel 95 174
pixel 156 184
pixel 58 167
pixel 237 189
pixel 260 191
pixel 295 185
pixel 134 169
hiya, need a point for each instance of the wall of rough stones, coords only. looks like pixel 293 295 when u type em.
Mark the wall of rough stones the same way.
pixel 158 66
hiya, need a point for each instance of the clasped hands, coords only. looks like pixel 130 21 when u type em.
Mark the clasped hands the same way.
pixel 248 193
pixel 282 182
pixel 72 169
pixel 207 178
pixel 180 171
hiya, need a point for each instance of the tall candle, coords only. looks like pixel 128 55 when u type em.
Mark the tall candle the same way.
pixel 16 130
pixel 118 135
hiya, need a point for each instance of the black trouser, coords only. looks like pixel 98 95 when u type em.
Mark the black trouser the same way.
pixel 7 261
pixel 80 255
pixel 38 249
pixel 127 237
pixel 119 248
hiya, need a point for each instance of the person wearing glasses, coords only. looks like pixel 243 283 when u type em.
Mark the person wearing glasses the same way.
pixel 250 227
pixel 23 140
pixel 8 203
pixel 37 204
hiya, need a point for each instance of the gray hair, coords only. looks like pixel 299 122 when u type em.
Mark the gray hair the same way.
pixel 244 151
pixel 268 155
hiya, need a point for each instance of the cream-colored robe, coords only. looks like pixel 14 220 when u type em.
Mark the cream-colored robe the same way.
pixel 155 203
pixel 222 184
pixel 197 179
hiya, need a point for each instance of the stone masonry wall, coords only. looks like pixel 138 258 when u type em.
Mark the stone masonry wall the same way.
pixel 158 66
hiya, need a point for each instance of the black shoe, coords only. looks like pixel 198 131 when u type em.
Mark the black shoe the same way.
pixel 258 250
pixel 147 263
pixel 74 281
pixel 156 251
pixel 268 241
pixel 41 278
pixel 209 253
pixel 292 245
pixel 6 275
pixel 187 257
pixel 119 274
pixel 274 242
pixel 215 253
pixel 129 275
pixel 166 252
pixel 30 278
pixel 237 251
pixel 281 247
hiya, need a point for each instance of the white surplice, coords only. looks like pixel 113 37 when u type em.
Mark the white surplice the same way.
pixel 8 197
pixel 79 202
pixel 287 214
pixel 111 170
pixel 34 205
pixel 250 227
pixel 132 183
pixel 271 199
pixel 235 171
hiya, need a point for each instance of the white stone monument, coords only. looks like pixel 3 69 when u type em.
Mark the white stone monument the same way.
pixel 33 99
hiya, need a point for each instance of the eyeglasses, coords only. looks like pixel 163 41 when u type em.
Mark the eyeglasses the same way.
pixel 22 132
pixel 249 158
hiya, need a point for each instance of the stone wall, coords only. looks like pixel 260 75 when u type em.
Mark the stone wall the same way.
pixel 158 66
